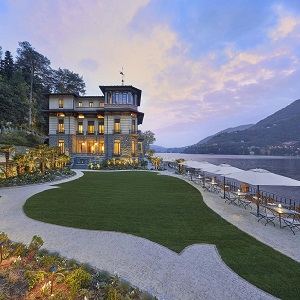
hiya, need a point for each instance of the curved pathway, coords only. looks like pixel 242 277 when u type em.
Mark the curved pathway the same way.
pixel 196 273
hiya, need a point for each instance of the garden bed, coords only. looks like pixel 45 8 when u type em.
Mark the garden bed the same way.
pixel 29 273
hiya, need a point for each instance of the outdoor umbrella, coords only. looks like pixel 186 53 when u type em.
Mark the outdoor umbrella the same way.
pixel 224 170
pixel 263 177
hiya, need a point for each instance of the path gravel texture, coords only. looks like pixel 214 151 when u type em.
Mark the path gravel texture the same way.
pixel 196 273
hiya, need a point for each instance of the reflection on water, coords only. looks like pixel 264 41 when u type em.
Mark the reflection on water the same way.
pixel 283 165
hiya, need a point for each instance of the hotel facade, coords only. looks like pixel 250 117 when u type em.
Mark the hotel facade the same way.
pixel 97 127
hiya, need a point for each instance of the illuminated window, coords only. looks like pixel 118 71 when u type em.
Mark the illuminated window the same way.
pixel 61 146
pixel 117 147
pixel 140 148
pixel 79 104
pixel 61 127
pixel 60 103
pixel 80 127
pixel 133 147
pixel 101 126
pixel 117 127
pixel 133 126
pixel 101 147
pixel 91 104
pixel 101 104
pixel 91 127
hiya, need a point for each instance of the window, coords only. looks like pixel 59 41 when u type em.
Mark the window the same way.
pixel 101 127
pixel 80 127
pixel 133 147
pixel 115 98
pixel 61 128
pixel 133 126
pixel 91 127
pixel 117 127
pixel 91 104
pixel 61 146
pixel 129 98
pixel 140 148
pixel 60 103
pixel 101 147
pixel 80 104
pixel 124 98
pixel 117 147
pixel 101 104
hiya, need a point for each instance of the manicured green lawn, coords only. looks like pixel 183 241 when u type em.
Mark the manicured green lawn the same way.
pixel 168 211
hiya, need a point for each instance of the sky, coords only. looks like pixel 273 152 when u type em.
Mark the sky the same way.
pixel 202 65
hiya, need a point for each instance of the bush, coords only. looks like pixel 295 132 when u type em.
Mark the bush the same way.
pixel 78 279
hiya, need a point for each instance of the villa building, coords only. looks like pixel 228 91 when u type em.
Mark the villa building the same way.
pixel 97 127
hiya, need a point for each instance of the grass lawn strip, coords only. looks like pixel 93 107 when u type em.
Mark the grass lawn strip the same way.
pixel 168 211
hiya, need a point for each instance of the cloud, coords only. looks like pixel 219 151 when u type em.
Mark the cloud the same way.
pixel 202 66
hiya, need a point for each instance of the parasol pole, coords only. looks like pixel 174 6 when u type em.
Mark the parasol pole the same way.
pixel 258 200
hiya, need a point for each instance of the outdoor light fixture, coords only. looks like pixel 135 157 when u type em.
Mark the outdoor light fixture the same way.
pixel 279 205
pixel 80 116
pixel 100 117
pixel 1 250
pixel 52 270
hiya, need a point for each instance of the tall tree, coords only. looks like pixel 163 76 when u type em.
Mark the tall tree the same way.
pixel 1 64
pixel 149 139
pixel 66 81
pixel 36 69
pixel 8 66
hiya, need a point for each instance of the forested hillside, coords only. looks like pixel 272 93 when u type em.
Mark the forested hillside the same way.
pixel 278 134
pixel 23 82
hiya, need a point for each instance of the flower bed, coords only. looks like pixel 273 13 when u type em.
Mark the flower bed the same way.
pixel 36 177
pixel 29 273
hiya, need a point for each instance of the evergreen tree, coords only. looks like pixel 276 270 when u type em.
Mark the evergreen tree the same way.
pixel 36 70
pixel 66 81
pixel 8 66
pixel 1 64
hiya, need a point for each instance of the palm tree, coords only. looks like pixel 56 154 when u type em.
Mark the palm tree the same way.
pixel 7 150
pixel 20 160
pixel 30 164
pixel 42 154
pixel 62 160
pixel 54 153
pixel 156 161
pixel 180 167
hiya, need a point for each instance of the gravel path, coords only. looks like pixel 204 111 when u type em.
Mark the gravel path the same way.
pixel 196 273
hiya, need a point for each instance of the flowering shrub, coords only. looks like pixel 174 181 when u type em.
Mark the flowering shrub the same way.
pixel 23 279
pixel 36 177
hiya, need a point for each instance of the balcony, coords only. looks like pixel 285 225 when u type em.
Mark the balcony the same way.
pixel 79 132
pixel 60 132
pixel 117 131
pixel 90 132
pixel 100 133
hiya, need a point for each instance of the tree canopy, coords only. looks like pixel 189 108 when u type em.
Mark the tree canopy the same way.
pixel 24 81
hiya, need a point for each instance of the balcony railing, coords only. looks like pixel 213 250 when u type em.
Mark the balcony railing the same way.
pixel 60 132
pixel 79 132
pixel 90 133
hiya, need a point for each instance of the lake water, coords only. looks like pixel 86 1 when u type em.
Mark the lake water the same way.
pixel 283 165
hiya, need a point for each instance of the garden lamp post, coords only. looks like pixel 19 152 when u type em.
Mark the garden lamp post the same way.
pixel 1 250
pixel 52 269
